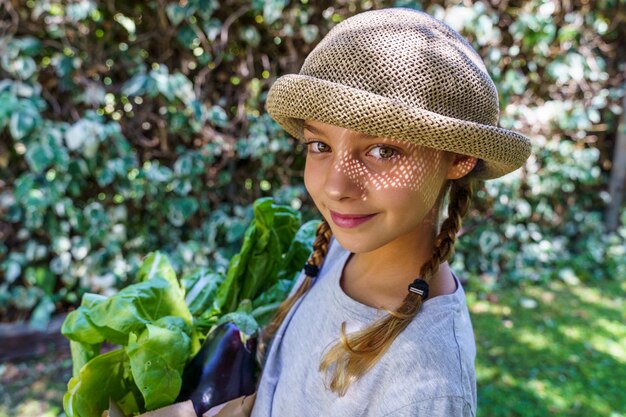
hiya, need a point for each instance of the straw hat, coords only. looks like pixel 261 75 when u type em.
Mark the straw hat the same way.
pixel 400 73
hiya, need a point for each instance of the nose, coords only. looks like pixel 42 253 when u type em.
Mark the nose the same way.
pixel 345 179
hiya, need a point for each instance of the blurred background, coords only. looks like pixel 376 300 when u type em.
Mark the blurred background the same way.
pixel 128 127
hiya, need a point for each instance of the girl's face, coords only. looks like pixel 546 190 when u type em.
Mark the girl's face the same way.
pixel 350 173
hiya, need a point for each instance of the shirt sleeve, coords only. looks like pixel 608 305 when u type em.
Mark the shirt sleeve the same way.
pixel 435 407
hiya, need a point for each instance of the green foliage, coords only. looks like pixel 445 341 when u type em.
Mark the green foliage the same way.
pixel 153 326
pixel 127 128
pixel 114 146
pixel 158 325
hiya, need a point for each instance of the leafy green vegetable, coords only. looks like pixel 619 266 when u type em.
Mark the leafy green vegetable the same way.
pixel 157 265
pixel 127 311
pixel 153 326
pixel 158 322
pixel 256 267
pixel 157 359
pixel 105 376
pixel 201 287
pixel 82 353
pixel 299 251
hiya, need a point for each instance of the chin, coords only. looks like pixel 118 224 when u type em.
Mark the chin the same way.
pixel 354 244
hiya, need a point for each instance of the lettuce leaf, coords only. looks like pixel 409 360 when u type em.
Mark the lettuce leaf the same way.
pixel 105 376
pixel 157 359
pixel 114 318
pixel 152 323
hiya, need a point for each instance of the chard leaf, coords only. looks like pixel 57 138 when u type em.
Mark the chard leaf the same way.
pixel 285 225
pixel 255 268
pixel 154 265
pixel 201 287
pixel 246 324
pixel 113 318
pixel 264 313
pixel 81 354
pixel 137 305
pixel 262 269
pixel 77 325
pixel 227 294
pixel 276 292
pixel 299 251
pixel 157 359
pixel 105 376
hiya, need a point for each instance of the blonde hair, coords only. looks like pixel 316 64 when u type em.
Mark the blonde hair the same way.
pixel 357 352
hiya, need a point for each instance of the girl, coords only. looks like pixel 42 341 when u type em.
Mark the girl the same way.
pixel 397 110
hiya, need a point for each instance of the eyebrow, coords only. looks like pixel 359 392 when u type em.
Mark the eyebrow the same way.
pixel 317 131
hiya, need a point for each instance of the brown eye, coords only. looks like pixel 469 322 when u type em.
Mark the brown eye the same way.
pixel 385 153
pixel 317 146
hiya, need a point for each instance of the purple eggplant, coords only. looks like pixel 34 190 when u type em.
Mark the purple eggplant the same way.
pixel 222 370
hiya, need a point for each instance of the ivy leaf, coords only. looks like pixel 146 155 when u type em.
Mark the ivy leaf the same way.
pixel 23 120
pixel 181 209
pixel 39 157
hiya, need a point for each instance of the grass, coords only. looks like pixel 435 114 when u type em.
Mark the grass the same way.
pixel 35 388
pixel 555 350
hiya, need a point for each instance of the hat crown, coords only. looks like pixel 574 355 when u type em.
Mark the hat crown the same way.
pixel 408 56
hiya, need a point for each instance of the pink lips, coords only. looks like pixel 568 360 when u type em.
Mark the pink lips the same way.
pixel 349 221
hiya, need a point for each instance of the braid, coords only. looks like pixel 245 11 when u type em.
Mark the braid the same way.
pixel 320 249
pixel 356 354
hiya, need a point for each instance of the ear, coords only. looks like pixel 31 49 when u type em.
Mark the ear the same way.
pixel 461 165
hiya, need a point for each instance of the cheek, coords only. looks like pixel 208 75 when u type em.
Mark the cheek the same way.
pixel 312 178
pixel 409 204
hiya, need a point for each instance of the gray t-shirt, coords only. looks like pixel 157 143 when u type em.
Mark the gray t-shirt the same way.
pixel 428 370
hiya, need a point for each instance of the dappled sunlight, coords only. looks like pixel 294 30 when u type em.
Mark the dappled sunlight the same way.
pixel 31 408
pixel 534 339
pixel 554 351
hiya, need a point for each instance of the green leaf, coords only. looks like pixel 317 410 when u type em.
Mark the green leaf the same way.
pixel 128 311
pixel 309 33
pixel 136 85
pixel 276 292
pixel 177 13
pixel 105 376
pixel 179 210
pixel 157 359
pixel 247 325
pixel 23 120
pixel 202 291
pixel 80 10
pixel 77 325
pixel 81 354
pixel 39 157
pixel 272 10
pixel 265 241
pixel 40 316
pixel 42 278
pixel 24 67
pixel 156 264
pixel 84 136
pixel 8 103
pixel 218 116
pixel 137 305
pixel 229 290
pixel 28 45
pixel 299 251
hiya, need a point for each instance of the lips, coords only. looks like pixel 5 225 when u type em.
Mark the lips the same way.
pixel 350 220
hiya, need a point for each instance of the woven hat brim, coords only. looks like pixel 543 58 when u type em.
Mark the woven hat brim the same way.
pixel 294 98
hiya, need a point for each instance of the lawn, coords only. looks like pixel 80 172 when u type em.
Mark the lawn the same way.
pixel 556 350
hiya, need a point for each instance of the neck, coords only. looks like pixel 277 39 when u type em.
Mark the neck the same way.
pixel 381 277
